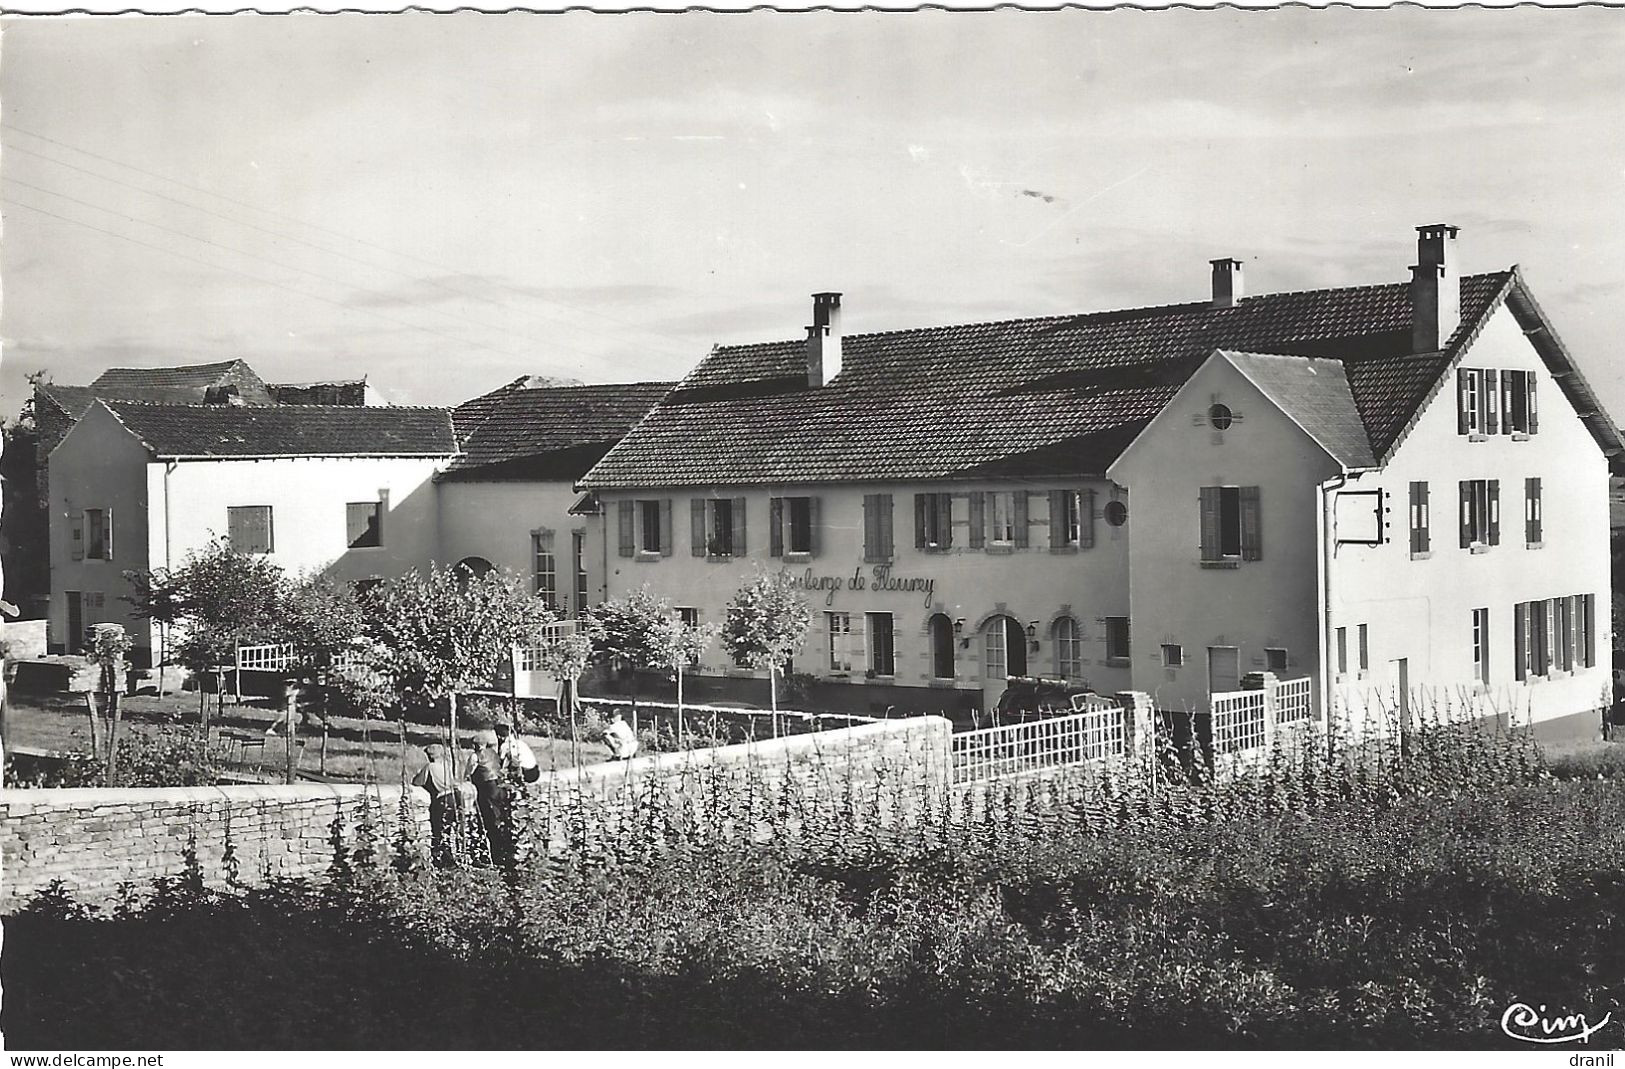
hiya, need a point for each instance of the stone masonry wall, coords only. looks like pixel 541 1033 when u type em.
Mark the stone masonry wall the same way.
pixel 95 839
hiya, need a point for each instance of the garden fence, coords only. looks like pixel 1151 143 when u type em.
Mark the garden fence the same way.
pixel 1100 734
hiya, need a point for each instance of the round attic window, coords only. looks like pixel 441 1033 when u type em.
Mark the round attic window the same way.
pixel 1116 513
pixel 1220 417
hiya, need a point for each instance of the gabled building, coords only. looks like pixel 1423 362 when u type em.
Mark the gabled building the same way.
pixel 1165 498
pixel 346 491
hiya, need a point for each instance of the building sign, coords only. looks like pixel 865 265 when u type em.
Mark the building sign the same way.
pixel 880 580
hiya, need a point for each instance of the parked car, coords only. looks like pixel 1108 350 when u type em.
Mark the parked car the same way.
pixel 1037 698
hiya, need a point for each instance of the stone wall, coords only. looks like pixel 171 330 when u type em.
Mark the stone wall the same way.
pixel 95 839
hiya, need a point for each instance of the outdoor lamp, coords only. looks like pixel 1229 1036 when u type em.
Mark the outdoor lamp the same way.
pixel 1032 634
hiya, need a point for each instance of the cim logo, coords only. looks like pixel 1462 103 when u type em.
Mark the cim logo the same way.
pixel 1530 1025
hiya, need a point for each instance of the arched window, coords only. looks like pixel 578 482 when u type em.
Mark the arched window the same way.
pixel 1068 649
pixel 942 646
pixel 471 568
pixel 1006 645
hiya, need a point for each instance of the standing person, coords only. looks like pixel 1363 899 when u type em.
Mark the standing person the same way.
pixel 619 737
pixel 518 759
pixel 520 769
pixel 491 793
pixel 445 777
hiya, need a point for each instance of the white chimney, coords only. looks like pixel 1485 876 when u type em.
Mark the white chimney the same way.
pixel 824 339
pixel 1435 288
pixel 1227 288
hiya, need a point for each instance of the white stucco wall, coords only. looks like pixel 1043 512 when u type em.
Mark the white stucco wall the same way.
pixel 1029 584
pixel 100 465
pixel 1421 610
pixel 494 520
pixel 1254 605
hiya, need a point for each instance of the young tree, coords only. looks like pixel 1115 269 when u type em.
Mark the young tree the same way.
pixel 767 622
pixel 108 651
pixel 565 657
pixel 677 645
pixel 625 634
pixel 444 630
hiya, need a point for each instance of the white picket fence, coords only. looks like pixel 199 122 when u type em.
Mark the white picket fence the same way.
pixel 1245 721
pixel 1099 734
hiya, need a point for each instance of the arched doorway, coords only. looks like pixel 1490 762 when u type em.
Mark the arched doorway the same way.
pixel 476 567
pixel 942 646
pixel 1004 645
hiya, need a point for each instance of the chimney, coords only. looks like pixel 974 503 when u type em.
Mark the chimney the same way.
pixel 1435 288
pixel 824 339
pixel 1227 288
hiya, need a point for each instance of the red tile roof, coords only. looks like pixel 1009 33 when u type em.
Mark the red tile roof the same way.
pixel 530 431
pixel 1027 397
pixel 287 430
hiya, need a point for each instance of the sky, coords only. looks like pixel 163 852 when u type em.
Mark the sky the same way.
pixel 444 203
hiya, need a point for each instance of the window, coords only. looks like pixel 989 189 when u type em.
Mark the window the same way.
pixel 1071 519
pixel 578 564
pixel 996 664
pixel 1002 518
pixel 544 576
pixel 690 618
pixel 1116 513
pixel 1481 645
pixel 1230 523
pixel 792 525
pixel 942 646
pixel 1480 513
pixel 1518 402
pixel 1342 651
pixel 1068 648
pixel 1421 539
pixel 363 524
pixel 645 527
pixel 1117 648
pixel 1531 513
pixel 1275 660
pixel 882 643
pixel 364 588
pixel 1531 639
pixel 1173 655
pixel 1476 396
pixel 718 527
pixel 839 625
pixel 1365 652
pixel 98 534
pixel 248 528
pixel 1220 416
pixel 877 527
pixel 933 521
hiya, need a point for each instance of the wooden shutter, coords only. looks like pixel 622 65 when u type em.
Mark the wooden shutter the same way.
pixel 1466 514
pixel 739 543
pixel 665 527
pixel 76 534
pixel 1535 507
pixel 883 526
pixel 978 519
pixel 944 504
pixel 1057 519
pixel 1494 503
pixel 923 504
pixel 813 541
pixel 1086 519
pixel 1520 639
pixel 1489 392
pixel 1210 522
pixel 1506 401
pixel 1019 514
pixel 696 526
pixel 107 534
pixel 1463 417
pixel 627 520
pixel 1529 391
pixel 1252 524
pixel 775 527
pixel 871 513
pixel 1588 620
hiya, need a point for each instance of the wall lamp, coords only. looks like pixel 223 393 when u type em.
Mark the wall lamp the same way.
pixel 1032 635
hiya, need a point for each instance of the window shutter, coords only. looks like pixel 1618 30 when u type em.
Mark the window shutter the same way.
pixel 1520 639
pixel 665 527
pixel 884 526
pixel 871 526
pixel 1057 518
pixel 1529 389
pixel 1210 522
pixel 1537 506
pixel 1548 654
pixel 1426 532
pixel 978 519
pixel 945 518
pixel 1463 417
pixel 107 533
pixel 739 547
pixel 1252 525
pixel 1019 500
pixel 922 505
pixel 696 525
pixel 775 527
pixel 1086 519
pixel 627 521
pixel 1506 401
pixel 813 541
pixel 1466 514
pixel 76 534
pixel 1490 391
pixel 1588 620
pixel 1495 511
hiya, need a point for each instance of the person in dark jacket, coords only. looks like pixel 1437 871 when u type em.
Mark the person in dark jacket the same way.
pixel 491 792
pixel 444 776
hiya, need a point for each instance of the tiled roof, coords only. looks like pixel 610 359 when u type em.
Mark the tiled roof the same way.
pixel 1046 396
pixel 524 431
pixel 75 400
pixel 336 392
pixel 1315 393
pixel 191 376
pixel 287 430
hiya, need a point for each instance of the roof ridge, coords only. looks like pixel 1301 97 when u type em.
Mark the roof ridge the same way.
pixel 274 408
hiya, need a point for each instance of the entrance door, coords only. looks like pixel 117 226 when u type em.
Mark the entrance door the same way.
pixel 1223 669
pixel 76 622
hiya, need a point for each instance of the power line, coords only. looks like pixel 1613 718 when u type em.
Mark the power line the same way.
pixel 678 344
